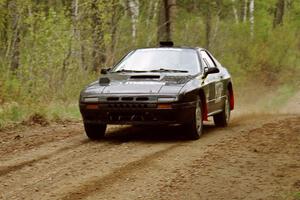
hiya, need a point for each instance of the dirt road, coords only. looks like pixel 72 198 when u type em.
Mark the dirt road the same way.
pixel 256 157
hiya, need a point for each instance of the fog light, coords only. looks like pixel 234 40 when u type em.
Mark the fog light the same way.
pixel 164 106
pixel 92 106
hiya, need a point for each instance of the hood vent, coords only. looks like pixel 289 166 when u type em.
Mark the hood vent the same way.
pixel 104 81
pixel 145 77
pixel 142 98
pixel 127 98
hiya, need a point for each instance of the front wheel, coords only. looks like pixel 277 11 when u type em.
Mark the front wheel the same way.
pixel 196 125
pixel 222 119
pixel 95 131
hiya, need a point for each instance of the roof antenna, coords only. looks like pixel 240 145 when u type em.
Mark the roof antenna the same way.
pixel 166 44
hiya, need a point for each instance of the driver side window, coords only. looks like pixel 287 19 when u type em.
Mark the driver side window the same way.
pixel 207 60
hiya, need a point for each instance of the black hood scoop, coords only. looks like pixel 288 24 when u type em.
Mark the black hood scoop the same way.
pixel 104 81
pixel 145 77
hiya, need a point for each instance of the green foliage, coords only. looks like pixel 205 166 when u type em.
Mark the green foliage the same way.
pixel 2 15
pixel 297 196
pixel 291 195
pixel 272 59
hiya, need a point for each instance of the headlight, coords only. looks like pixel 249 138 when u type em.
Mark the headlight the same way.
pixel 90 99
pixel 166 99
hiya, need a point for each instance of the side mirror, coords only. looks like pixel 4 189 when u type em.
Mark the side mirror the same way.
pixel 211 70
pixel 105 70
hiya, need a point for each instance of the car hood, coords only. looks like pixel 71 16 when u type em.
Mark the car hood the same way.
pixel 140 84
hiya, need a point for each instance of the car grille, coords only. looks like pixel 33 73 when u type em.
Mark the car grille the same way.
pixel 128 105
pixel 139 116
pixel 127 99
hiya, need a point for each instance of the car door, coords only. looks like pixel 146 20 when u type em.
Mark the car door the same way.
pixel 208 81
pixel 220 86
pixel 213 82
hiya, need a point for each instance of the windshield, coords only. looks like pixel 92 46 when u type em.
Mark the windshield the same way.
pixel 160 60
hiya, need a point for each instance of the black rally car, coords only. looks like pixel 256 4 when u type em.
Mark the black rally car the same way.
pixel 159 86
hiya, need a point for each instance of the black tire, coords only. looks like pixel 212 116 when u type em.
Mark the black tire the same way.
pixel 95 131
pixel 195 127
pixel 222 119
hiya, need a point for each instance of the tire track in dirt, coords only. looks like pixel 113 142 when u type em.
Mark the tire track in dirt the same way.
pixel 59 147
pixel 41 179
pixel 111 143
pixel 141 180
pixel 262 163
pixel 54 165
pixel 28 138
pixel 118 174
pixel 11 168
pixel 101 184
pixel 60 164
pixel 196 161
pixel 129 162
pixel 80 168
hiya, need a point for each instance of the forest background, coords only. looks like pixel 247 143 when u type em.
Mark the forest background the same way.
pixel 50 49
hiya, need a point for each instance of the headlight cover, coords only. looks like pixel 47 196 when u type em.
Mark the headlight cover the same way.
pixel 166 99
pixel 90 99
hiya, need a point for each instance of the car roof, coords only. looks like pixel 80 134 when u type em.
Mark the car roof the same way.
pixel 173 47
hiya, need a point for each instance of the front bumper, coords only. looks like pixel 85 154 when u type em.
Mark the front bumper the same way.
pixel 137 113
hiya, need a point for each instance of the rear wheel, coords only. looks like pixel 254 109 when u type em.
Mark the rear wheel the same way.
pixel 196 125
pixel 222 119
pixel 95 131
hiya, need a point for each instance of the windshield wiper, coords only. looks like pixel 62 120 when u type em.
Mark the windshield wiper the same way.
pixel 155 70
pixel 169 70
pixel 129 71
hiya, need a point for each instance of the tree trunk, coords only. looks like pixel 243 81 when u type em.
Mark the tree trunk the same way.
pixel 16 40
pixel 208 26
pixel 66 63
pixel 218 18
pixel 235 13
pixel 152 13
pixel 98 38
pixel 15 58
pixel 5 28
pixel 245 10
pixel 134 10
pixel 251 17
pixel 149 13
pixel 156 4
pixel 279 13
pixel 77 33
pixel 166 19
pixel 115 18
